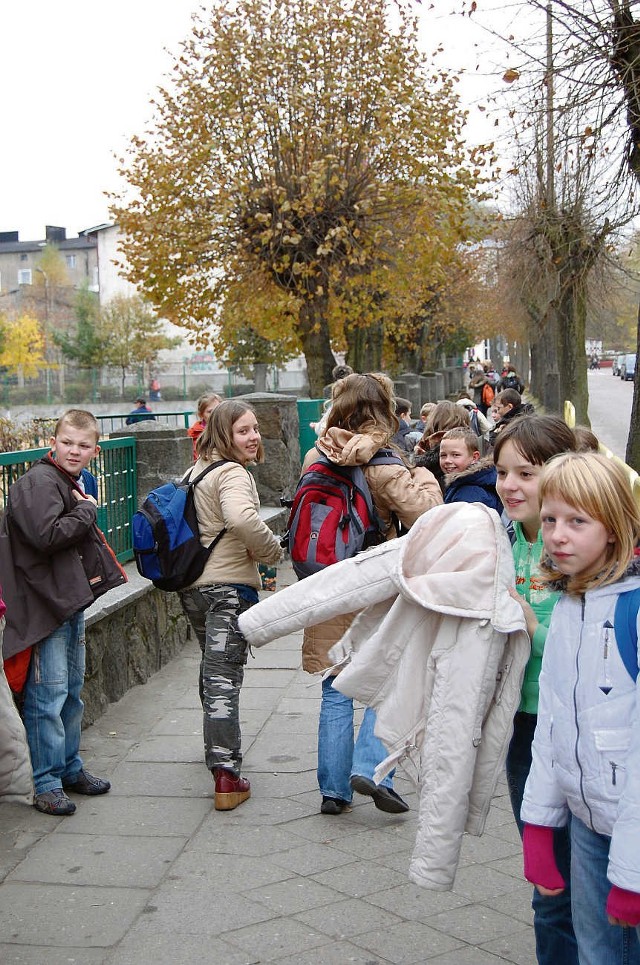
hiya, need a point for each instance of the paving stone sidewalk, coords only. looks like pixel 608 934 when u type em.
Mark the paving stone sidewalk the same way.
pixel 150 873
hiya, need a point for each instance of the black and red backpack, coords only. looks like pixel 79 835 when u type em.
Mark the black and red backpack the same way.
pixel 332 515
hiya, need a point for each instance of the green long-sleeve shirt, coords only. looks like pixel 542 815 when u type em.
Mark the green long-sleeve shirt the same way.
pixel 526 557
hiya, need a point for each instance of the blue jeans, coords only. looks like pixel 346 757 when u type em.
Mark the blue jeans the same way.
pixel 52 705
pixel 555 940
pixel 338 757
pixel 599 942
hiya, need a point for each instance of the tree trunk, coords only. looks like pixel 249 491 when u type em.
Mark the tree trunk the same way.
pixel 316 345
pixel 260 376
pixel 364 352
pixel 571 330
pixel 633 442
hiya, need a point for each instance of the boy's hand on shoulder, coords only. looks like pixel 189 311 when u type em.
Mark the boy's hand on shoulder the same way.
pixel 81 497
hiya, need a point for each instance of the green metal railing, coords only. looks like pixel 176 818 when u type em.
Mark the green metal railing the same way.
pixel 115 469
pixel 117 421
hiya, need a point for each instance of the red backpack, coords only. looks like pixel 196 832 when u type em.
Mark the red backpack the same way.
pixel 332 515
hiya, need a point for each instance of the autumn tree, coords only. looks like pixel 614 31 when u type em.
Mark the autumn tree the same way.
pixel 23 347
pixel 293 141
pixel 133 335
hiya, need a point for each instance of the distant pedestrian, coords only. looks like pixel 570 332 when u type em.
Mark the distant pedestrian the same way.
pixel 141 413
pixel 510 380
pixel 401 438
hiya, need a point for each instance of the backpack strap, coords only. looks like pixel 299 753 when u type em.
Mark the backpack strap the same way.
pixel 194 482
pixel 385 457
pixel 626 629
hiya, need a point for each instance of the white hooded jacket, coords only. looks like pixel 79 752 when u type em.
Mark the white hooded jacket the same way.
pixel 586 753
pixel 439 652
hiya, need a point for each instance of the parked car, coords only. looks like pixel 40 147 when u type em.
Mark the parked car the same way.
pixel 628 369
pixel 617 364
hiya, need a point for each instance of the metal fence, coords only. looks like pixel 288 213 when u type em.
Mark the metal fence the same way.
pixel 115 469
pixel 117 421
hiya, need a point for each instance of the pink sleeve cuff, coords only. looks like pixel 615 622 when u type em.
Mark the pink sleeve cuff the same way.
pixel 540 866
pixel 624 905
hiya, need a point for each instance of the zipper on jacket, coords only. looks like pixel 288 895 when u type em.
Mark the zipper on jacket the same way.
pixel 575 710
pixel 606 685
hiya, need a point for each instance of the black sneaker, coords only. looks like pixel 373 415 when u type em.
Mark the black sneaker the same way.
pixel 85 783
pixel 54 802
pixel 384 798
pixel 334 805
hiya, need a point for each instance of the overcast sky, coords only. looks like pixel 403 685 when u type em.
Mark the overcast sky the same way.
pixel 77 78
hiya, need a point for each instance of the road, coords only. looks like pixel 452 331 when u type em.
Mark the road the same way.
pixel 610 409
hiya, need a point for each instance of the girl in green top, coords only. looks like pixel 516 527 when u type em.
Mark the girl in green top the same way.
pixel 520 452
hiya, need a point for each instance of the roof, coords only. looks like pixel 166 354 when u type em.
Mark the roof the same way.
pixel 70 244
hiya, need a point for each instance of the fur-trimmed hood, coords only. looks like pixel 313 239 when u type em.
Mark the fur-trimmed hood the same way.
pixel 479 468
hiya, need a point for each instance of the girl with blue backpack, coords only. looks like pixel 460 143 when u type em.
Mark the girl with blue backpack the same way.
pixel 586 752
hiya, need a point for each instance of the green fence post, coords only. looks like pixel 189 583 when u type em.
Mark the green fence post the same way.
pixel 309 410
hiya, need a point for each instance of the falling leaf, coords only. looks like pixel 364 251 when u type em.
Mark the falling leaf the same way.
pixel 510 75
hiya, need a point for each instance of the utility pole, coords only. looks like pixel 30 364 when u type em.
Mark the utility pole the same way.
pixel 552 398
pixel 47 359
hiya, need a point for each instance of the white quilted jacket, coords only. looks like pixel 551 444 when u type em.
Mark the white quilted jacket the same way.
pixel 439 651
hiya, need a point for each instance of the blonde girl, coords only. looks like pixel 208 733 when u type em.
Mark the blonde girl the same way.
pixel 586 751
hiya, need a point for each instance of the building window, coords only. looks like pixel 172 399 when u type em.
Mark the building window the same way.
pixel 23 257
pixel 71 261
pixel 24 276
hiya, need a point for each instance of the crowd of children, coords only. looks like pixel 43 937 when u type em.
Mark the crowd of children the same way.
pixel 573 761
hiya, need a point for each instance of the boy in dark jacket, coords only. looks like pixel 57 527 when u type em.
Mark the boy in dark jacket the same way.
pixel 468 478
pixel 55 563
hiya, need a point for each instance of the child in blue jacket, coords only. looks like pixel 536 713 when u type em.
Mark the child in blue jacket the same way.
pixel 468 478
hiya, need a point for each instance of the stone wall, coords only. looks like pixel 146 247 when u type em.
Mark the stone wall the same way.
pixel 165 452
pixel 128 640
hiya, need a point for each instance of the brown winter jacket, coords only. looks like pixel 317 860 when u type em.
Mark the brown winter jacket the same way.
pixel 395 489
pixel 54 561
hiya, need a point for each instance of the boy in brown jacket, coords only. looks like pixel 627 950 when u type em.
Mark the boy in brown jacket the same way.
pixel 55 563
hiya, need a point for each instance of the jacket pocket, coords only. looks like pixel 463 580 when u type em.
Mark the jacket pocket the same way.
pixel 612 747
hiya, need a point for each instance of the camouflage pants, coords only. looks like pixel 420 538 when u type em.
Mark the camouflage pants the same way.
pixel 212 612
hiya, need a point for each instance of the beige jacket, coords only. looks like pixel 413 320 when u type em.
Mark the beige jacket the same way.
pixel 408 493
pixel 16 779
pixel 228 497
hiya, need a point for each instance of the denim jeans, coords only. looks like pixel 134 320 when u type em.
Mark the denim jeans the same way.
pixel 555 940
pixel 599 942
pixel 338 757
pixel 52 705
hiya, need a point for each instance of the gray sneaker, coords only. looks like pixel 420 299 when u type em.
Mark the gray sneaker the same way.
pixel 54 802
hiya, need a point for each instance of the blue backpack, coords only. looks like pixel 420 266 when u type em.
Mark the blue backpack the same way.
pixel 626 630
pixel 166 535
